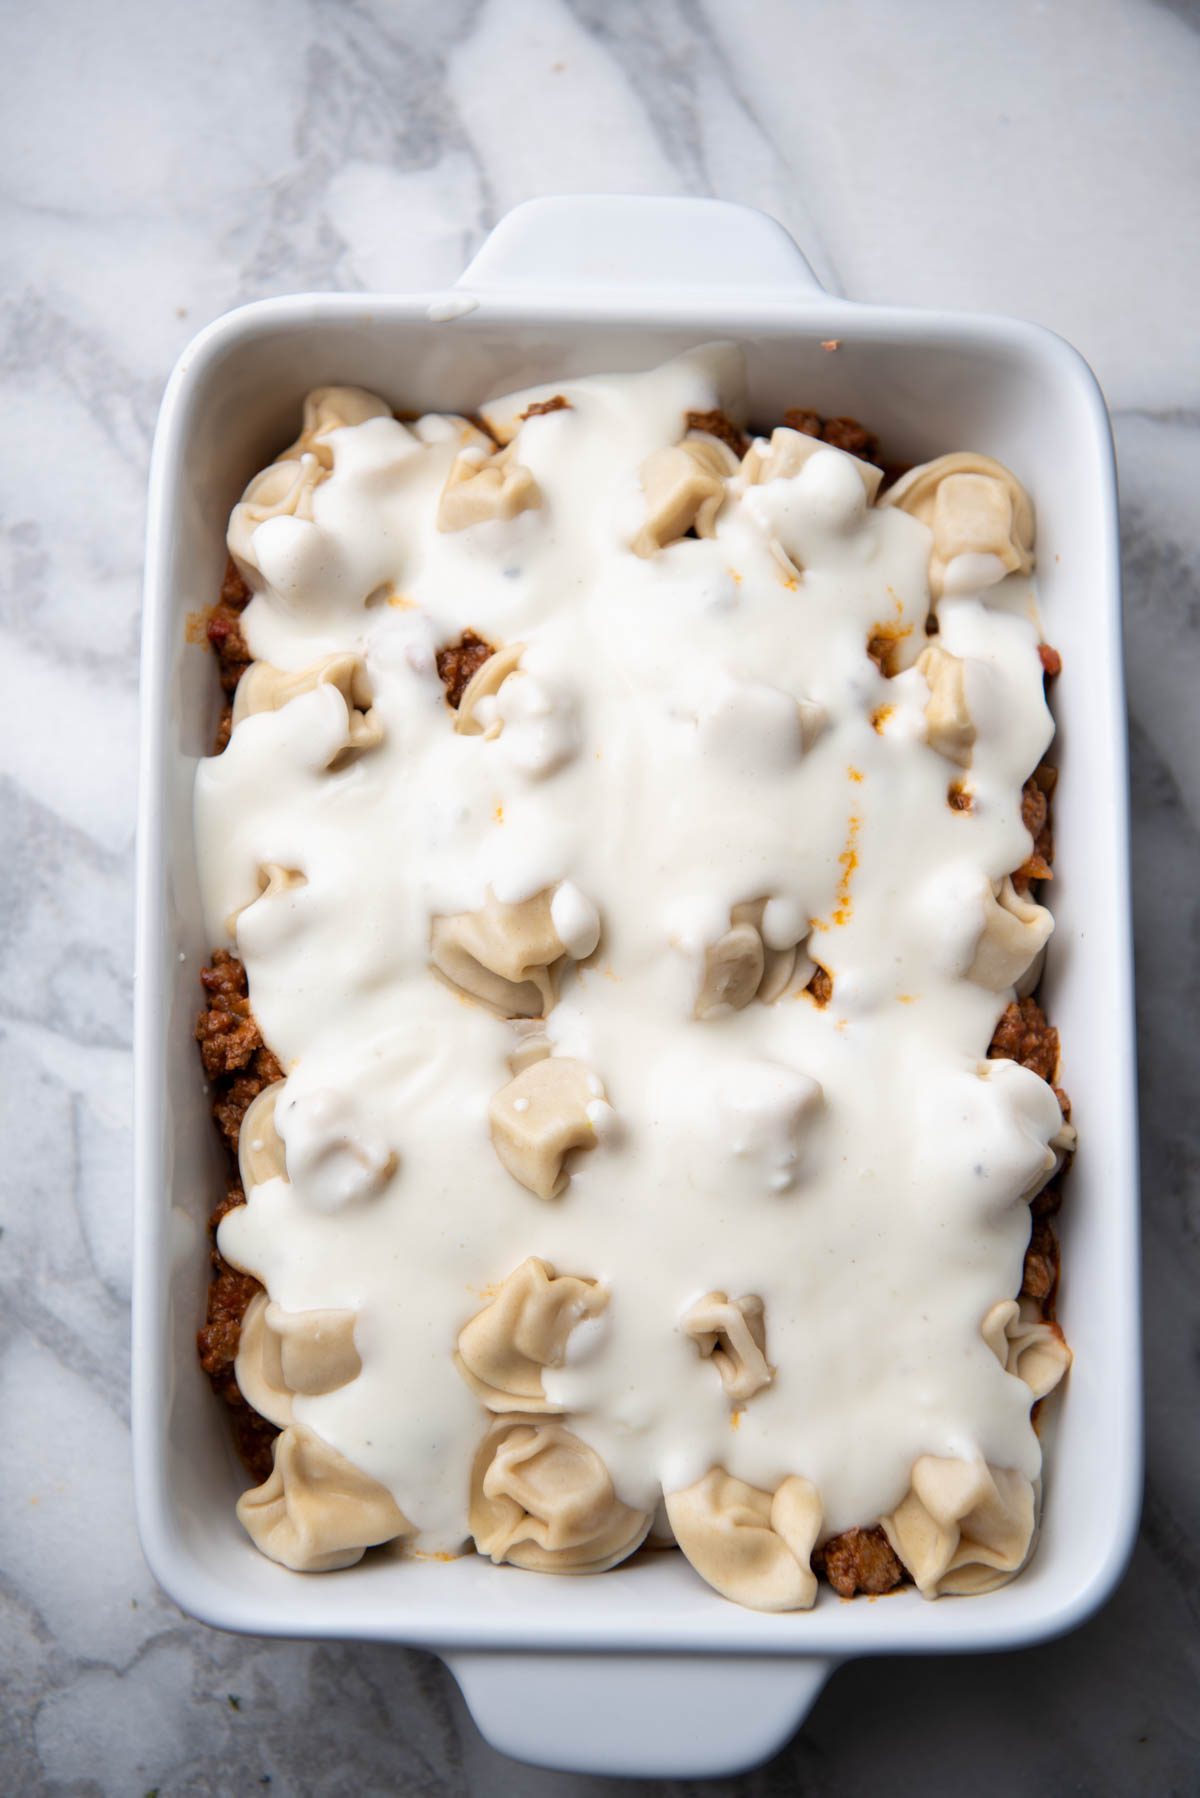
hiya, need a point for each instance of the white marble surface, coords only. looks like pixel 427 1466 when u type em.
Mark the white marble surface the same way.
pixel 163 160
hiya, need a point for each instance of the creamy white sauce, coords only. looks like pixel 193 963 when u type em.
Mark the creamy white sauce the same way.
pixel 859 1167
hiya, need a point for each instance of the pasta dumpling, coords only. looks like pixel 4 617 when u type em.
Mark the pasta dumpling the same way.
pixel 551 1107
pixel 739 966
pixel 508 956
pixel 317 1512
pixel 786 453
pixel 284 490
pixel 480 488
pixel 266 689
pixel 751 1546
pixel 282 1353
pixel 733 1334
pixel 485 683
pixel 963 1527
pixel 949 727
pixel 328 409
pixel 260 1147
pixel 1026 1345
pixel 684 486
pixel 542 1499
pixel 1015 931
pixel 506 1347
pixel 974 507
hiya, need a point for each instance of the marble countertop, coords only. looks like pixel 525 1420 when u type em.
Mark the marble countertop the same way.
pixel 163 161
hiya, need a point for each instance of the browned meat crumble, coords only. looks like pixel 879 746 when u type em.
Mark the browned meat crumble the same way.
pixel 717 424
pixel 1036 798
pixel 842 433
pixel 859 1561
pixel 1024 1035
pixel 229 1294
pixel 821 986
pixel 458 662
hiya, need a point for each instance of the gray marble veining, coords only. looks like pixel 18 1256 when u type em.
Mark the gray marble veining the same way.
pixel 162 162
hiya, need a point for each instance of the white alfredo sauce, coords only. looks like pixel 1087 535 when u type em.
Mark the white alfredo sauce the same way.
pixel 857 1166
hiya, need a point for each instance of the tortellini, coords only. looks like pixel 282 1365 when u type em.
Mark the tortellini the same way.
pixel 542 1499
pixel 551 1107
pixel 739 966
pixel 260 1148
pixel 787 452
pixel 284 490
pixel 273 879
pixel 1026 1345
pixel 975 507
pixel 505 1349
pixel 751 1546
pixel 509 956
pixel 265 689
pixel 949 727
pixel 963 1527
pixel 1015 931
pixel 317 1512
pixel 282 1353
pixel 684 486
pixel 328 409
pixel 480 488
pixel 485 683
pixel 733 1334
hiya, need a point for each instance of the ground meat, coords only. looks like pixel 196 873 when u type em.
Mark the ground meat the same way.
pixel 1036 796
pixel 224 629
pixel 843 433
pixel 859 1561
pixel 821 986
pixel 716 424
pixel 539 407
pixel 236 1060
pixel 1040 1278
pixel 1024 1035
pixel 1051 661
pixel 458 662
pixel 229 1295
pixel 957 797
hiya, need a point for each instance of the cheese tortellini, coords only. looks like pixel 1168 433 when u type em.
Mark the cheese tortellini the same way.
pixel 976 508
pixel 260 1147
pixel 684 486
pixel 329 409
pixel 282 1353
pixel 317 1512
pixel 739 966
pixel 1015 931
pixel 554 1105
pixel 787 452
pixel 949 727
pixel 505 1349
pixel 733 1334
pixel 542 1499
pixel 509 956
pixel 481 487
pixel 752 1546
pixel 1026 1345
pixel 963 1527
pixel 265 689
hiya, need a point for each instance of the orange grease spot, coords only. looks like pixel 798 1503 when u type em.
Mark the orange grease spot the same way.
pixel 498 814
pixel 880 716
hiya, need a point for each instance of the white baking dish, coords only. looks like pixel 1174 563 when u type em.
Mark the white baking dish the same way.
pixel 644 1670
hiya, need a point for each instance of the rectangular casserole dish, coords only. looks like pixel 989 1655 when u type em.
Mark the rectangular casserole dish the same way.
pixel 644 1671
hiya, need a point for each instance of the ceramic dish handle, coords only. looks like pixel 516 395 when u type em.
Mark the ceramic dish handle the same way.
pixel 607 241
pixel 657 1716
